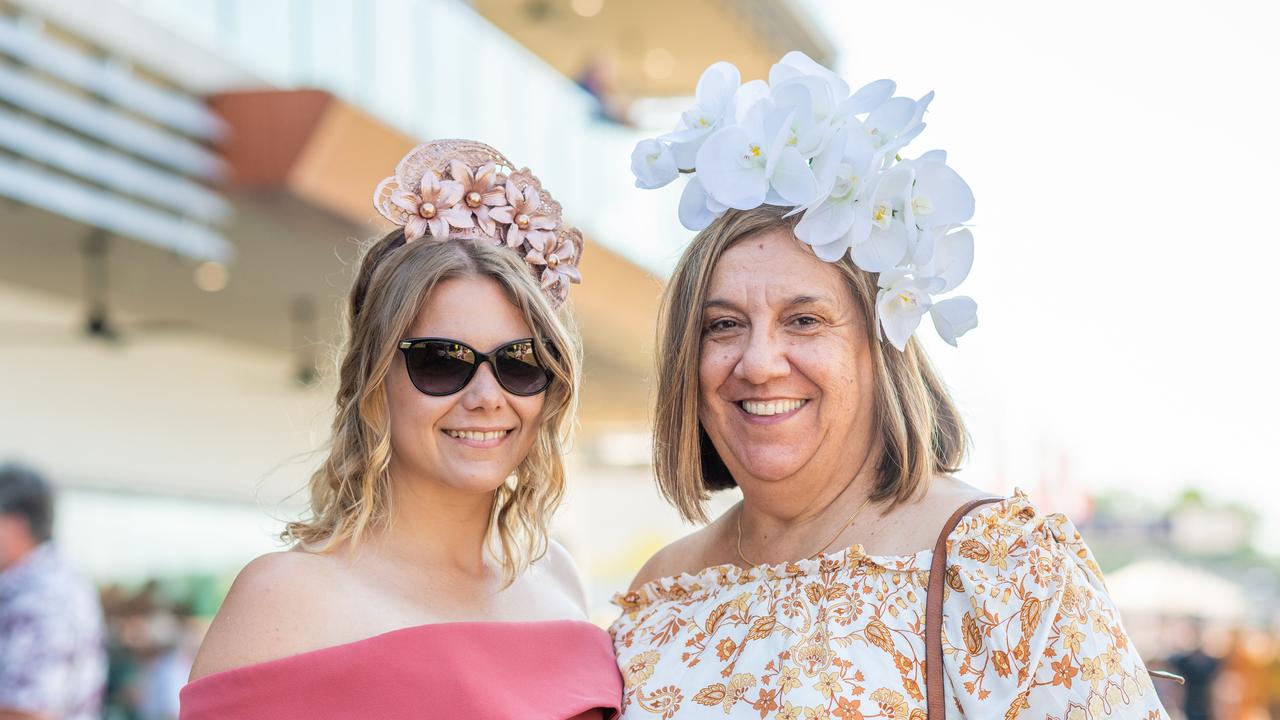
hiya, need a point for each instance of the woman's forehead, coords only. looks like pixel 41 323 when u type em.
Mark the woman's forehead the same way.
pixel 775 269
pixel 475 310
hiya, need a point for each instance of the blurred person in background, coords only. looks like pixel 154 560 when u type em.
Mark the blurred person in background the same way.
pixel 851 579
pixel 52 654
pixel 1201 670
pixel 423 584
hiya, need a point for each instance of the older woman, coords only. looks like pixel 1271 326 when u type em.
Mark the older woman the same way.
pixel 857 578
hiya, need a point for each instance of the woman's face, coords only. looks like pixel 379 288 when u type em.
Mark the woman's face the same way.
pixel 432 437
pixel 786 384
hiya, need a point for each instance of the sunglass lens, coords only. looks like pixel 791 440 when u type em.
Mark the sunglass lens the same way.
pixel 519 370
pixel 439 368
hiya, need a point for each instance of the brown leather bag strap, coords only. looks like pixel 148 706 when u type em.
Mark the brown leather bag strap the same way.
pixel 935 690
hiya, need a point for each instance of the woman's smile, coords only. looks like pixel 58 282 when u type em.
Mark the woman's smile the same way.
pixel 771 411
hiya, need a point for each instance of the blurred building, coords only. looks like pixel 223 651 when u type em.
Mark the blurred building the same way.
pixel 185 186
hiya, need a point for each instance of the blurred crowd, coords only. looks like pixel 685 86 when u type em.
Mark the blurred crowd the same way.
pixel 151 643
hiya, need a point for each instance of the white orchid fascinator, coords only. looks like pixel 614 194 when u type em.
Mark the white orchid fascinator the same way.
pixel 804 140
pixel 465 189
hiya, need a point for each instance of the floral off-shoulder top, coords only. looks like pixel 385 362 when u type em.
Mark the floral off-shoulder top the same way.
pixel 1028 632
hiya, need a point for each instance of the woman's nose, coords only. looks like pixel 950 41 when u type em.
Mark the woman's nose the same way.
pixel 483 392
pixel 763 359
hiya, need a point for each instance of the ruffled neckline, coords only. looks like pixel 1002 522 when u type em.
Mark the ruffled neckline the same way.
pixel 1017 507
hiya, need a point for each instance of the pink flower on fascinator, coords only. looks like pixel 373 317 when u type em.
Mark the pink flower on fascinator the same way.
pixel 480 192
pixel 559 264
pixel 434 207
pixel 521 214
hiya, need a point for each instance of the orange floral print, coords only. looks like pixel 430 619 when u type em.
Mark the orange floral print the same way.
pixel 1028 633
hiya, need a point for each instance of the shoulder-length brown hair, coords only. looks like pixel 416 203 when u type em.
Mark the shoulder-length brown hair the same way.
pixel 350 492
pixel 921 433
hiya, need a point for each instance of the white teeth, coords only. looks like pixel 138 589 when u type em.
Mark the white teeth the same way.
pixel 772 407
pixel 470 435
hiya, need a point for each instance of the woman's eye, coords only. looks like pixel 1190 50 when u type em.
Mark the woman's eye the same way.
pixel 721 325
pixel 805 321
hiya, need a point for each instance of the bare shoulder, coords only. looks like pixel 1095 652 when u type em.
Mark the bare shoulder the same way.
pixel 914 525
pixel 689 554
pixel 273 610
pixel 564 572
pixel 947 494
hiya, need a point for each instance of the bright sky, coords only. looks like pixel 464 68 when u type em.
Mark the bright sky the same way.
pixel 1124 157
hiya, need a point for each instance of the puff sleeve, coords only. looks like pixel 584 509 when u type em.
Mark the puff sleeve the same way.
pixel 1029 630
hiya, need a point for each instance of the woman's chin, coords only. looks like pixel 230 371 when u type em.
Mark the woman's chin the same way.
pixel 772 469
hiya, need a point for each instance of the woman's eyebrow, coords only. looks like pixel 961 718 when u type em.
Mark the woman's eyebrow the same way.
pixel 809 300
pixel 718 303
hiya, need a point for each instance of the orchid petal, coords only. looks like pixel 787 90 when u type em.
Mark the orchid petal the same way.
pixel 747 98
pixel 717 84
pixel 792 178
pixel 832 251
pixel 883 250
pixel 825 223
pixel 954 317
pixel 952 259
pixel 868 97
pixel 694 213
pixel 948 195
pixel 891 117
pixel 796 63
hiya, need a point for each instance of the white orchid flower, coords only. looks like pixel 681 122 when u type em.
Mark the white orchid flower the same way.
pixel 714 95
pixel 901 303
pixel 954 317
pixel 840 216
pixel 939 196
pixel 747 164
pixel 653 164
pixel 810 127
pixel 889 229
pixel 697 208
pixel 896 122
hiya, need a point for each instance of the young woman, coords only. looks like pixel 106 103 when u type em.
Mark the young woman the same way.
pixel 423 583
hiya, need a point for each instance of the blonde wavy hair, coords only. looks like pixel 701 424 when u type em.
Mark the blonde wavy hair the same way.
pixel 920 430
pixel 350 493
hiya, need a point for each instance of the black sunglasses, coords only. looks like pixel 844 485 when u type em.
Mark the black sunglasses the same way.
pixel 440 366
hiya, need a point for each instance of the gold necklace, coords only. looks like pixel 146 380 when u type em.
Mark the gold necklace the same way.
pixel 821 550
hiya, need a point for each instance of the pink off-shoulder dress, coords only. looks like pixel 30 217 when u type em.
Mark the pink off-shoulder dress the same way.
pixel 553 670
